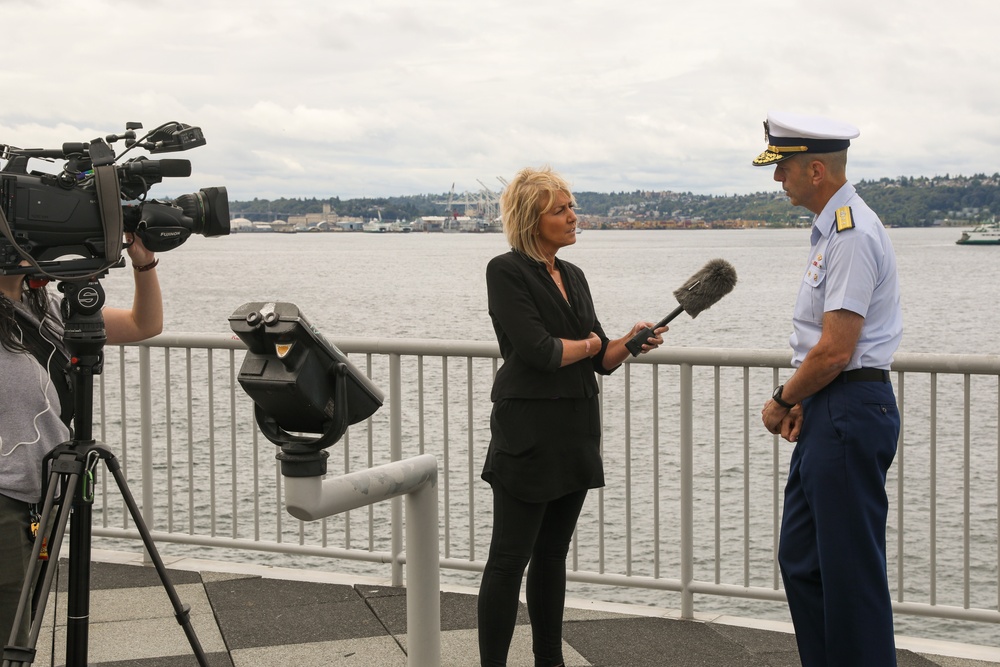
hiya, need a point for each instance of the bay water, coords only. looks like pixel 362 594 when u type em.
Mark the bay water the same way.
pixel 423 285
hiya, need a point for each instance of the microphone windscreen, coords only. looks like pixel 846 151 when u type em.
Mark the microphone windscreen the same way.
pixel 175 168
pixel 702 290
pixel 159 168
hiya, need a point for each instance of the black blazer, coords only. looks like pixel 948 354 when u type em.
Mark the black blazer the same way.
pixel 529 316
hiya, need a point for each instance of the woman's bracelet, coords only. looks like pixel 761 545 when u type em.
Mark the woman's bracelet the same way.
pixel 147 267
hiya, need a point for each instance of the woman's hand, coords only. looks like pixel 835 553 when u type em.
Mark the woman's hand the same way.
pixel 145 318
pixel 137 252
pixel 653 341
pixel 617 352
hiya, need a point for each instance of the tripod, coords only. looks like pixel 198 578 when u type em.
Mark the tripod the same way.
pixel 65 494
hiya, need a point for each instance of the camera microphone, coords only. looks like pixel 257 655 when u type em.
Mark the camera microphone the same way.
pixel 74 148
pixel 158 168
pixel 701 291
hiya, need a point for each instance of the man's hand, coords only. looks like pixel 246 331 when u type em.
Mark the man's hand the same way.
pixel 791 425
pixel 772 415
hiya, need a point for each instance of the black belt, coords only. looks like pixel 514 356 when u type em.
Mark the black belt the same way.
pixel 864 375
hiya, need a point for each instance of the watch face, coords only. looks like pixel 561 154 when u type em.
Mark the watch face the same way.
pixel 777 397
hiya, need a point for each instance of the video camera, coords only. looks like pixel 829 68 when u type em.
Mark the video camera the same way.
pixel 79 212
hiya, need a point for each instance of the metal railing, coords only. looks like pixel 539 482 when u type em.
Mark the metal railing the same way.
pixel 694 482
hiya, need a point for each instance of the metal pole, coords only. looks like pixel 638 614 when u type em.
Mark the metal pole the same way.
pixel 423 585
pixel 310 498
pixel 146 440
pixel 687 491
pixel 395 454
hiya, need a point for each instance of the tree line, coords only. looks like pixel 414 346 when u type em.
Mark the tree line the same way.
pixel 900 202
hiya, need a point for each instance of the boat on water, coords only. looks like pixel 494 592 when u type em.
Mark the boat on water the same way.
pixel 987 233
pixel 376 227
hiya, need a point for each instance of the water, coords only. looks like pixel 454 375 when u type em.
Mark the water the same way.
pixel 433 286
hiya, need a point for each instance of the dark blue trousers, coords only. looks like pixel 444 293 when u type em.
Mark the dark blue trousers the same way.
pixel 832 548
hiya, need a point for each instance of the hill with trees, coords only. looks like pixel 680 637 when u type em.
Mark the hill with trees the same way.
pixel 900 202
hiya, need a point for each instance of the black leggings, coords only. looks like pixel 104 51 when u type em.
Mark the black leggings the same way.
pixel 540 532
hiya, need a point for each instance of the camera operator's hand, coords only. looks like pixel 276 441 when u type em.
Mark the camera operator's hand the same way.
pixel 138 253
pixel 145 318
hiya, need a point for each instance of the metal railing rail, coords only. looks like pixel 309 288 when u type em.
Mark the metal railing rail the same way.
pixel 692 504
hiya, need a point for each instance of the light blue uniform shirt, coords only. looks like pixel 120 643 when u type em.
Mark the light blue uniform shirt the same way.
pixel 854 269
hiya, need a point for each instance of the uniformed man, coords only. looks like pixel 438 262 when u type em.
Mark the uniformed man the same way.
pixel 838 406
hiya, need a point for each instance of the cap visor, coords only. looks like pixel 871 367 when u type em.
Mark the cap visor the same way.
pixel 770 157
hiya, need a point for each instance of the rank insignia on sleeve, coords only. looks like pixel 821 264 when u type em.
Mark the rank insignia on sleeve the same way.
pixel 845 219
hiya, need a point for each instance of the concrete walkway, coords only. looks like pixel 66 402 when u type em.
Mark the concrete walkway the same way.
pixel 250 616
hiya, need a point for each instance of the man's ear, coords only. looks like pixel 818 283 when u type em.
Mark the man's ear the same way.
pixel 816 171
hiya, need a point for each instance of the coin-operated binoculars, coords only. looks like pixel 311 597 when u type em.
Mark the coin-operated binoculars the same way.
pixel 306 393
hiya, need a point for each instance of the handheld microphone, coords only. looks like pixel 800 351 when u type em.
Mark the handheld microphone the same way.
pixel 701 291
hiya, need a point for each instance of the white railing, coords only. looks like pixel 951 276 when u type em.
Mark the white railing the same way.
pixel 694 482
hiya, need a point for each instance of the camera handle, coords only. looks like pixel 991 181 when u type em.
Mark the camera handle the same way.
pixel 68 464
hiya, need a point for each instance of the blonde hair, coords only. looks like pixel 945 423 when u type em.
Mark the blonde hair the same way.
pixel 529 196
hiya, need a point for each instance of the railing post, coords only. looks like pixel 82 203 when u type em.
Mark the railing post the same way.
pixel 423 576
pixel 396 454
pixel 687 490
pixel 146 439
pixel 312 498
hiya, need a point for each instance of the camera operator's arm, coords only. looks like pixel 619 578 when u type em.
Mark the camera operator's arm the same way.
pixel 145 319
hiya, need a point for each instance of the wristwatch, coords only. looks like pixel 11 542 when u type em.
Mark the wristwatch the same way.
pixel 780 401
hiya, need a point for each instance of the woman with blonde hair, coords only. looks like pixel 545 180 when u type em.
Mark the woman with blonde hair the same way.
pixel 544 451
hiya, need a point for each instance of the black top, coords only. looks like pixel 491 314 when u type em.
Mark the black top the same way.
pixel 529 316
pixel 545 427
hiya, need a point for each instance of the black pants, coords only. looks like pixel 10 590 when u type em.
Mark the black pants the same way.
pixel 15 559
pixel 540 532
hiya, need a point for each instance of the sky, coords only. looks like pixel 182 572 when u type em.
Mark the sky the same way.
pixel 375 98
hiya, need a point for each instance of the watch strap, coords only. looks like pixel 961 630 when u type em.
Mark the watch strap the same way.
pixel 779 400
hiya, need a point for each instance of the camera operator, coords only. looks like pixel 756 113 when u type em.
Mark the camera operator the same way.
pixel 30 405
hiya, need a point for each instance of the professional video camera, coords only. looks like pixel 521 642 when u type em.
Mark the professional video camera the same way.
pixel 79 212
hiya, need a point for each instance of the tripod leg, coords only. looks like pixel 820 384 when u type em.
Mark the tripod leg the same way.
pixel 15 656
pixel 78 594
pixel 181 611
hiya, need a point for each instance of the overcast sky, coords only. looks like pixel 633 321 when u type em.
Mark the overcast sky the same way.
pixel 322 98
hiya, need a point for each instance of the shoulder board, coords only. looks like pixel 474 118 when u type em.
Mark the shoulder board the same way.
pixel 845 219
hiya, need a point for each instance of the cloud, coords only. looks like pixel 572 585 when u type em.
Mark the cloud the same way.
pixel 318 99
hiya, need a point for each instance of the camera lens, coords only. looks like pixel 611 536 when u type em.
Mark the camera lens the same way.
pixel 208 209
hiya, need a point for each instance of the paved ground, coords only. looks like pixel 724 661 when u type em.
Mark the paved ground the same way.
pixel 250 616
